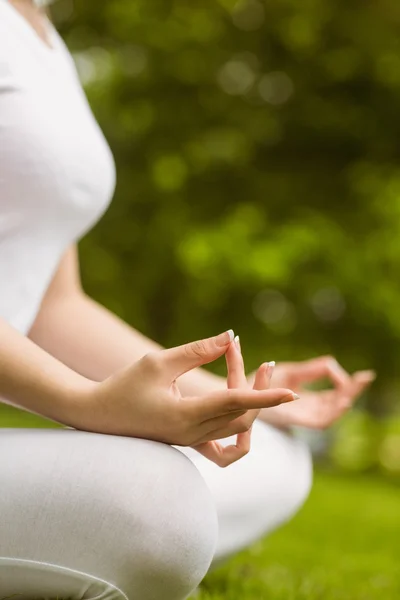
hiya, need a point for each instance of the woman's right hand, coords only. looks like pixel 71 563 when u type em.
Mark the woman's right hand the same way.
pixel 225 455
pixel 143 400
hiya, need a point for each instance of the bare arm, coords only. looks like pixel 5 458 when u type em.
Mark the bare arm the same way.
pixel 34 380
pixel 92 340
pixel 141 400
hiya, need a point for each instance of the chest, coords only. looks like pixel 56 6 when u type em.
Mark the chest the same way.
pixel 54 159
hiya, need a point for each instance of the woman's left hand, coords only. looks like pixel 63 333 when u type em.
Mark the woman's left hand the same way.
pixel 315 409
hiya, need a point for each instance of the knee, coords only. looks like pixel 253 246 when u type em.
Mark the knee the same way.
pixel 177 529
pixel 304 478
pixel 300 472
pixel 289 479
pixel 131 513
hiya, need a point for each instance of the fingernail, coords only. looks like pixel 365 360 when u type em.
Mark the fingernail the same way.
pixel 237 342
pixel 270 368
pixel 335 365
pixel 225 338
pixel 368 374
pixel 290 397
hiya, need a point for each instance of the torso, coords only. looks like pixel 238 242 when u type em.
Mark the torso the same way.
pixel 57 174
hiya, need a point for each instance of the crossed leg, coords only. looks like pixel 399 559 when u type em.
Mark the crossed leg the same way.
pixel 102 517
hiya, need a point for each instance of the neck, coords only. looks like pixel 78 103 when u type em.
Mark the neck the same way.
pixel 35 16
pixel 30 3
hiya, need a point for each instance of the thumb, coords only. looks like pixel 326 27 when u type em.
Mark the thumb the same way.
pixel 318 368
pixel 361 380
pixel 179 360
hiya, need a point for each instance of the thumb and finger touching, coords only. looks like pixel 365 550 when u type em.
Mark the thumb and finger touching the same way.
pixel 214 450
pixel 360 381
pixel 348 387
pixel 237 379
pixel 318 368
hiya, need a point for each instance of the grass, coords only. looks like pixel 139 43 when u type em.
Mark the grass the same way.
pixel 343 545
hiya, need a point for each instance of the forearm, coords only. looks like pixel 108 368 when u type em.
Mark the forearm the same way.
pixel 34 380
pixel 94 342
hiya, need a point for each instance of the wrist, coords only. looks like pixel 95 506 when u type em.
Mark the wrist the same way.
pixel 72 400
pixel 276 418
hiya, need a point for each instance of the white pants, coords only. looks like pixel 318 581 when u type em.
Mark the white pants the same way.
pixel 93 516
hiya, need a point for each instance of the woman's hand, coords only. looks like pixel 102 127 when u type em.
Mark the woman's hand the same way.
pixel 143 400
pixel 316 409
pixel 214 450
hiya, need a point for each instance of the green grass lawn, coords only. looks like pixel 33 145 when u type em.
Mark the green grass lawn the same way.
pixel 343 545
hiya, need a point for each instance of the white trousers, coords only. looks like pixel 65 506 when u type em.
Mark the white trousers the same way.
pixel 104 517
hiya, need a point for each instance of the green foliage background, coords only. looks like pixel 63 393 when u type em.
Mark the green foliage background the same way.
pixel 258 179
pixel 258 188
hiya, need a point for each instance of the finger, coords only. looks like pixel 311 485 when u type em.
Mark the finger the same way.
pixel 359 384
pixel 224 456
pixel 231 419
pixel 364 377
pixel 234 362
pixel 243 442
pixel 222 402
pixel 339 377
pixel 318 368
pixel 225 420
pixel 239 427
pixel 237 379
pixel 234 423
pixel 179 360
pixel 262 381
pixel 223 432
pixel 360 381
pixel 263 376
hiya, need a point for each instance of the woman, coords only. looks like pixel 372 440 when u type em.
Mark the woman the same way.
pixel 128 500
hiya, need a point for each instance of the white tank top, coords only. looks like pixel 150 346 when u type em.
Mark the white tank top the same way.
pixel 57 174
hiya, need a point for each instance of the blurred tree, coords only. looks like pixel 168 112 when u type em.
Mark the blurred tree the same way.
pixel 256 145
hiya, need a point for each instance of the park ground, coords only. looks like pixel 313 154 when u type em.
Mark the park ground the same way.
pixel 343 545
